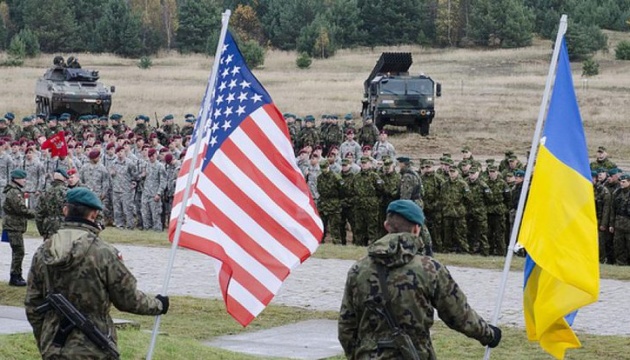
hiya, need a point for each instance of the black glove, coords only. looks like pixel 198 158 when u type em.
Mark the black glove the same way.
pixel 165 303
pixel 496 338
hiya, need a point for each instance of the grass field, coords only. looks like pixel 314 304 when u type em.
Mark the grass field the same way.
pixel 191 321
pixel 490 98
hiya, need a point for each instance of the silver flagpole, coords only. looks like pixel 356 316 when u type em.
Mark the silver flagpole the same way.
pixel 225 19
pixel 528 173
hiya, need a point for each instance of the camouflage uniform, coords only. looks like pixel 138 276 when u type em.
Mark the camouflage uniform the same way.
pixel 172 170
pixel 455 198
pixel 142 130
pixel 477 217
pixel 52 130
pixel 410 185
pixel 621 215
pixel 308 136
pixel 6 165
pixel 432 188
pixel 140 165
pixel 367 134
pixel 347 204
pixel 497 210
pixel 35 180
pixel 367 186
pixel 167 132
pixel 14 223
pixel 91 275
pixel 333 136
pixel 603 164
pixel 123 175
pixel 602 209
pixel 154 184
pixel 350 147
pixel 417 285
pixel 49 211
pixel 312 172
pixel 383 148
pixel 187 130
pixel 7 132
pixel 96 178
pixel 293 135
pixel 329 187
pixel 30 132
pixel 391 186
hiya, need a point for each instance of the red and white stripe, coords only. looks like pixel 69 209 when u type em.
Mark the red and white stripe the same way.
pixel 252 211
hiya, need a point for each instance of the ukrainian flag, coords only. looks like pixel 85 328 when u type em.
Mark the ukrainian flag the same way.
pixel 559 226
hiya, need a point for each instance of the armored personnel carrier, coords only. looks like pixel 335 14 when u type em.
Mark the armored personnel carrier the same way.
pixel 67 88
pixel 392 96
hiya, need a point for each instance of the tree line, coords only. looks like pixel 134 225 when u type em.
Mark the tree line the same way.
pixel 134 28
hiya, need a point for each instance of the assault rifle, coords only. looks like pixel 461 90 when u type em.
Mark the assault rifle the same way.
pixel 72 318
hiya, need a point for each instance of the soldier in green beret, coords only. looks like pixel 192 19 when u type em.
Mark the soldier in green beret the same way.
pixel 410 182
pixel 330 190
pixel 49 210
pixel 391 280
pixel 309 135
pixel 90 274
pixel 14 223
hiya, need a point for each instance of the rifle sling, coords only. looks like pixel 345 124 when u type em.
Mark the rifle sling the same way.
pixel 382 278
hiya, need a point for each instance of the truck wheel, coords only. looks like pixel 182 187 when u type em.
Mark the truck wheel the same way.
pixel 424 127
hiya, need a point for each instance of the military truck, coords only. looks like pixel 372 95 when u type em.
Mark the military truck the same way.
pixel 393 97
pixel 67 88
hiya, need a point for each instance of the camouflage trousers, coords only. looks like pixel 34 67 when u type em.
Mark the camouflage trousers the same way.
pixel 496 234
pixel 166 212
pixel 366 223
pixel 108 207
pixel 602 236
pixel 16 239
pixel 2 197
pixel 477 230
pixel 123 210
pixel 151 214
pixel 454 233
pixel 332 226
pixel 433 221
pixel 622 246
pixel 137 205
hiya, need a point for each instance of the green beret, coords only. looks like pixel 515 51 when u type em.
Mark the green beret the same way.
pixel 624 176
pixel 146 118
pixel 324 116
pixel 407 209
pixel 52 118
pixel 614 171
pixel 309 118
pixel 601 170
pixel 62 172
pixel 168 117
pixel 403 159
pixel 519 173
pixel 83 196
pixel 26 119
pixel 18 174
pixel 103 118
pixel 3 120
pixel 190 120
pixel 348 116
pixel 9 116
pixel 64 116
pixel 116 117
pixel 593 173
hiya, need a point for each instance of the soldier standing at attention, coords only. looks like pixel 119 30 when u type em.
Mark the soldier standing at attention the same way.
pixel 309 135
pixel 476 215
pixel 123 173
pixel 89 273
pixel 347 200
pixel 367 186
pixel 49 211
pixel 602 210
pixel 6 165
pixel 154 185
pixel 382 147
pixel 189 125
pixel 497 208
pixel 14 223
pixel 455 198
pixel 350 146
pixel 410 183
pixel 391 189
pixel 368 133
pixel 398 281
pixel 432 194
pixel 329 188
pixel 621 221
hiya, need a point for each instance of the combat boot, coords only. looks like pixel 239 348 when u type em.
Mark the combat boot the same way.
pixel 17 280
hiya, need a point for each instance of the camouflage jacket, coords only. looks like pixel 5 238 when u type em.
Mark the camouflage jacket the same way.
pixel 308 136
pixel 91 275
pixel 330 192
pixel 347 189
pixel 367 135
pixel 35 175
pixel 499 197
pixel 391 187
pixel 350 147
pixel 620 209
pixel 30 133
pixel 479 194
pixel 455 198
pixel 6 166
pixel 172 170
pixel 410 185
pixel 96 177
pixel 154 180
pixel 50 131
pixel 432 190
pixel 49 211
pixel 123 173
pixel 603 164
pixel 15 210
pixel 602 205
pixel 186 131
pixel 417 285
pixel 367 187
pixel 7 132
pixel 333 135
pixel 142 130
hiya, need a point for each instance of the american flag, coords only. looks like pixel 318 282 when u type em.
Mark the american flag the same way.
pixel 250 207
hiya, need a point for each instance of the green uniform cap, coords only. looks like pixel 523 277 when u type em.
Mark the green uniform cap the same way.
pixel 403 159
pixel 18 174
pixel 3 120
pixel 601 170
pixel 593 173
pixel 519 173
pixel 614 171
pixel 309 118
pixel 625 176
pixel 168 117
pixel 348 117
pixel 62 172
pixel 407 209
pixel 26 119
pixel 85 197
pixel 116 117
pixel 9 116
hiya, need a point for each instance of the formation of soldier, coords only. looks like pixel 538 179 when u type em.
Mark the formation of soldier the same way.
pixel 133 170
